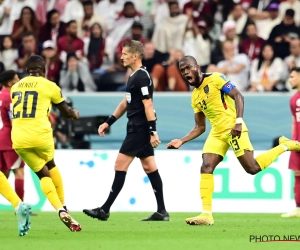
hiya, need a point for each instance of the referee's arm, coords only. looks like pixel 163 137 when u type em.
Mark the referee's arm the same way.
pixel 121 109
pixel 149 110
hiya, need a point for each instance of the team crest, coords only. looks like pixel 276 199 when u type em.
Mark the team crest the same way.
pixel 206 89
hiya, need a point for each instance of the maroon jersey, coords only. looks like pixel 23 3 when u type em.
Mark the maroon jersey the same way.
pixel 5 122
pixel 295 109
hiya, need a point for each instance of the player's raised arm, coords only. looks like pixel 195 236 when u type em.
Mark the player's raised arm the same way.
pixel 194 133
pixel 236 95
pixel 119 112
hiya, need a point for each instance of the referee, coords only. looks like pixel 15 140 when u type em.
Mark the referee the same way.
pixel 141 135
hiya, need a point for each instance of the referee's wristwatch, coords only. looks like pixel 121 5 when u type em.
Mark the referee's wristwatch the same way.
pixel 152 133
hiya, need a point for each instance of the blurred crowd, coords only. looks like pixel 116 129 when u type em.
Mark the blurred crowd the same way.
pixel 254 42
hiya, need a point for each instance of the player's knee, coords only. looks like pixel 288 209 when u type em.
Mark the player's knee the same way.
pixel 207 168
pixel 252 170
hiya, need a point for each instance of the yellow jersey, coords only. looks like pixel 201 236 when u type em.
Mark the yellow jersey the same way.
pixel 211 98
pixel 32 99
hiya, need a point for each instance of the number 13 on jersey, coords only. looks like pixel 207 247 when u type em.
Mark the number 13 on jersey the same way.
pixel 25 105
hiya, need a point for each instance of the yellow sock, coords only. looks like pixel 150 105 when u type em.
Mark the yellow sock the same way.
pixel 58 183
pixel 48 189
pixel 7 191
pixel 206 191
pixel 265 159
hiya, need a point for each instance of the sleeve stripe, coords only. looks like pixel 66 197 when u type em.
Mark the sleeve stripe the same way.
pixel 58 104
pixel 147 74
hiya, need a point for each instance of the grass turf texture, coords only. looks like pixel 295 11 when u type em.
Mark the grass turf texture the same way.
pixel 124 231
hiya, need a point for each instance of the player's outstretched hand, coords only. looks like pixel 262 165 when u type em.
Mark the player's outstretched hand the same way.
pixel 76 114
pixel 154 140
pixel 174 144
pixel 102 128
pixel 236 131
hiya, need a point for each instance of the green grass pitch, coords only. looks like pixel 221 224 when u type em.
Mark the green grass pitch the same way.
pixel 124 231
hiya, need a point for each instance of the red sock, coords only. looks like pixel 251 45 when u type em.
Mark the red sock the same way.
pixel 19 187
pixel 297 190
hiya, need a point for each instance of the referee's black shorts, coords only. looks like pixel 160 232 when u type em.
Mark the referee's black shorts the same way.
pixel 137 141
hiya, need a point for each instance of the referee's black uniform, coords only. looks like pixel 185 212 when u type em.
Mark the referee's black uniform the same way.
pixel 137 141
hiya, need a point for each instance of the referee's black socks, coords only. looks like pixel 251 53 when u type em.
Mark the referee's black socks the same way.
pixel 157 186
pixel 115 190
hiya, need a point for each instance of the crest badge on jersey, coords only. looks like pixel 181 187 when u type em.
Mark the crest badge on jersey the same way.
pixel 128 97
pixel 206 89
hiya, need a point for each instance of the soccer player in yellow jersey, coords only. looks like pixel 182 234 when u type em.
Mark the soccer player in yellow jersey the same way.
pixel 22 209
pixel 217 99
pixel 32 99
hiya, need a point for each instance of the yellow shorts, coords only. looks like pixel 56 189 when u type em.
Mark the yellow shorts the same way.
pixel 220 144
pixel 36 158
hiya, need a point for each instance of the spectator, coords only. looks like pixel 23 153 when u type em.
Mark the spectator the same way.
pixel 96 47
pixel 84 23
pixel 258 9
pixel 267 72
pixel 221 10
pixel 76 77
pixel 228 34
pixel 160 11
pixel 70 42
pixel 8 54
pixel 28 47
pixel 10 11
pixel 266 26
pixel 252 44
pixel 136 34
pixel 197 43
pixel 26 23
pixel 53 29
pixel 109 10
pixel 44 6
pixel 235 66
pixel 73 11
pixel 175 79
pixel 122 26
pixel 170 33
pixel 283 33
pixel 240 17
pixel 290 4
pixel 198 9
pixel 53 63
pixel 151 57
pixel 293 60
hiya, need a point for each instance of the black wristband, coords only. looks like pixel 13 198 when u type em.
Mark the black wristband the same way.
pixel 110 121
pixel 152 126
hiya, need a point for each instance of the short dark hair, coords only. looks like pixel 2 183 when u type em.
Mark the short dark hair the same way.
pixel 128 3
pixel 296 69
pixel 87 3
pixel 137 25
pixel 290 13
pixel 68 24
pixel 189 58
pixel 28 33
pixel 7 76
pixel 134 47
pixel 35 63
pixel 172 3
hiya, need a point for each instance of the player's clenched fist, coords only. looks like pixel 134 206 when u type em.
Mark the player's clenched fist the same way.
pixel 174 144
pixel 102 128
